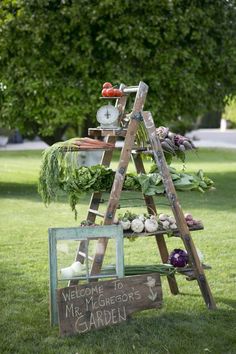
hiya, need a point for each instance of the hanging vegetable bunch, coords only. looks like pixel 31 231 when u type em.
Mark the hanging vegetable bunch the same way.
pixel 173 142
pixel 60 173
pixel 173 145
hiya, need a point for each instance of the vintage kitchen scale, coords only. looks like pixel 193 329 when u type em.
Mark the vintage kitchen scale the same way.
pixel 108 117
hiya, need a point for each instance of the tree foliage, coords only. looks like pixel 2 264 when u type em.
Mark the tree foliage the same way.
pixel 55 55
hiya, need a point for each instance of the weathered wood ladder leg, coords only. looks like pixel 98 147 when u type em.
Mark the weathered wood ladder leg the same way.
pixel 161 243
pixel 177 211
pixel 120 173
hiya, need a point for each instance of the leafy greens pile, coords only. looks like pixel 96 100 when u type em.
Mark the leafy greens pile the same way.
pixel 151 183
pixel 60 173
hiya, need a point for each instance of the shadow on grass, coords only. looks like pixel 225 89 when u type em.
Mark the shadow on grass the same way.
pixel 222 198
pixel 211 155
pixel 13 190
pixel 29 191
pixel 229 302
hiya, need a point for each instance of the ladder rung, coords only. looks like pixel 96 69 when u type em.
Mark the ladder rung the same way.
pixel 130 89
pixel 85 256
pixel 96 212
pixel 175 233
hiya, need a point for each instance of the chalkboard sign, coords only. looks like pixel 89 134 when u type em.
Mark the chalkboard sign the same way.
pixel 99 304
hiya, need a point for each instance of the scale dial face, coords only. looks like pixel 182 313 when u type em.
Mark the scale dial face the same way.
pixel 107 116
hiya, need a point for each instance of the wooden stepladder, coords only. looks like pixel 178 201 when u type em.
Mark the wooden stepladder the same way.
pixel 129 131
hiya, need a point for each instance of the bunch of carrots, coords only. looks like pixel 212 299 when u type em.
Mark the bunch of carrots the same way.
pixel 90 144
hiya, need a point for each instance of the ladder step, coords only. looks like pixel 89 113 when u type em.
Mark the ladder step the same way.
pixel 82 254
pixel 189 272
pixel 175 233
pixel 96 212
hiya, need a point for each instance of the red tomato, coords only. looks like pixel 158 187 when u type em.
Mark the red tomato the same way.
pixel 117 93
pixel 107 85
pixel 104 92
pixel 110 92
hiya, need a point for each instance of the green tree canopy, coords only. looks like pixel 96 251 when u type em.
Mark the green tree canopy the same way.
pixel 55 55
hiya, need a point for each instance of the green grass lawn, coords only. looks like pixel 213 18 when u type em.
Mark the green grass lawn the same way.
pixel 183 325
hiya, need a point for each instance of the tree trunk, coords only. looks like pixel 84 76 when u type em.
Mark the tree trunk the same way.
pixel 87 123
pixel 57 135
pixel 210 120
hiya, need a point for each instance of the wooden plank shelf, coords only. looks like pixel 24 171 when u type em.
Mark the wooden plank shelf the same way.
pixel 174 233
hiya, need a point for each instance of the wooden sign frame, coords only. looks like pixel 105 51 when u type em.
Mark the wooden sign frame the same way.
pixel 85 233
